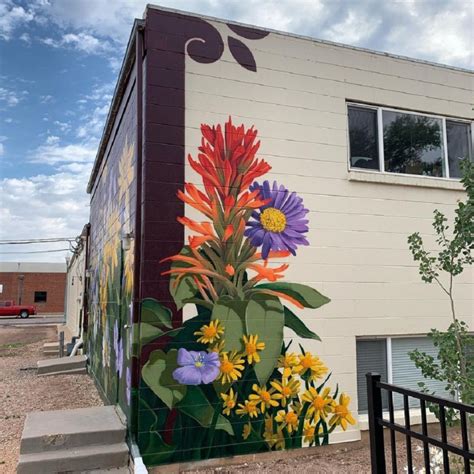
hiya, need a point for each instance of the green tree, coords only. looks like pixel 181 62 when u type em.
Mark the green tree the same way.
pixel 454 364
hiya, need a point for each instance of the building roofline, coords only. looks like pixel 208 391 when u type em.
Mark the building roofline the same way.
pixel 312 39
pixel 119 90
pixel 130 57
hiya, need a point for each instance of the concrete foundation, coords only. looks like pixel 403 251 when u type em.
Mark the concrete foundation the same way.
pixel 64 365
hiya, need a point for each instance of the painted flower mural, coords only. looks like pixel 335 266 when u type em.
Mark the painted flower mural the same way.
pixel 227 375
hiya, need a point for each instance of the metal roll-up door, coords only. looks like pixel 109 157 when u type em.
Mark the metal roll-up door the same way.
pixel 371 357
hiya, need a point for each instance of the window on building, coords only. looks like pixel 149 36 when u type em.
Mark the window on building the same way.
pixel 395 141
pixel 459 140
pixel 41 296
pixel 389 357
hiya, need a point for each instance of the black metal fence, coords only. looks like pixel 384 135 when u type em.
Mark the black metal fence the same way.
pixel 377 423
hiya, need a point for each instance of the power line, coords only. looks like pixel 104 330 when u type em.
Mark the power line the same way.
pixel 37 241
pixel 37 251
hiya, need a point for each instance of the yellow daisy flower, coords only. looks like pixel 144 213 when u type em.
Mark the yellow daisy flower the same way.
pixel 308 432
pixel 231 367
pixel 246 430
pixel 230 400
pixel 217 347
pixel 264 397
pixel 273 439
pixel 342 415
pixel 313 364
pixel 210 332
pixel 288 420
pixel 252 347
pixel 247 408
pixel 321 404
pixel 286 389
pixel 288 362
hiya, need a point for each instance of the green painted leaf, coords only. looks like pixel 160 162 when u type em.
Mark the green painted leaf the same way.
pixel 149 333
pixel 197 406
pixel 266 318
pixel 231 314
pixel 304 294
pixel 157 373
pixel 186 289
pixel 153 312
pixel 293 322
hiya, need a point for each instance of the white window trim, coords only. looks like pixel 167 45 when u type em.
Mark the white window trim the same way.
pixel 380 109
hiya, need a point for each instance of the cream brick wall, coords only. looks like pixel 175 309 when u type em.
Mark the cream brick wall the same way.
pixel 358 230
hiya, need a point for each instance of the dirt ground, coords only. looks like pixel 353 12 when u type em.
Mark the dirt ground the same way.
pixel 22 391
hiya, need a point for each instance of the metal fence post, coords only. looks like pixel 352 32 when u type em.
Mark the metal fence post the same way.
pixel 377 448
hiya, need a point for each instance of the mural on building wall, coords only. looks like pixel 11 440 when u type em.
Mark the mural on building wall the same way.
pixel 109 344
pixel 227 381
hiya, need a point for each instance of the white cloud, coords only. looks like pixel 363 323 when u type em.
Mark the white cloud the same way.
pixel 57 207
pixel 25 37
pixel 2 149
pixel 83 42
pixel 46 99
pixel 53 153
pixel 8 120
pixel 11 17
pixel 63 126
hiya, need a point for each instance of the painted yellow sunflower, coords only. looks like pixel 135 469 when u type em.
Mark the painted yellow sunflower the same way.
pixel 286 389
pixel 309 431
pixel 273 439
pixel 246 430
pixel 231 367
pixel 230 400
pixel 247 408
pixel 252 346
pixel 311 363
pixel 342 415
pixel 264 397
pixel 288 420
pixel 321 404
pixel 210 332
pixel 288 362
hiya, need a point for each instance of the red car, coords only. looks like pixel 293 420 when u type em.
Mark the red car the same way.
pixel 9 308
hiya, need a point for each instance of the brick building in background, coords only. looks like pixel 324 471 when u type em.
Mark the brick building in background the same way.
pixel 39 284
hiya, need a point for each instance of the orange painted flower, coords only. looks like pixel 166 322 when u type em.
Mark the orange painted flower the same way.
pixel 227 160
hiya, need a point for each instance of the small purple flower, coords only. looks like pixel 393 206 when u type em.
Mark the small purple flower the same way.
pixel 196 367
pixel 118 351
pixel 281 223
pixel 128 384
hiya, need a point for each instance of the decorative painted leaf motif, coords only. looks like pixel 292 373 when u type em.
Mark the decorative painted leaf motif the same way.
pixel 242 54
pixel 231 314
pixel 185 289
pixel 157 374
pixel 196 405
pixel 246 32
pixel 293 322
pixel 265 318
pixel 305 295
pixel 153 312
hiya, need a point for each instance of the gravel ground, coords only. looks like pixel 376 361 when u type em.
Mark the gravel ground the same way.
pixel 22 391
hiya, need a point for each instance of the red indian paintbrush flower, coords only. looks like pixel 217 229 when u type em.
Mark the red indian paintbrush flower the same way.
pixel 227 161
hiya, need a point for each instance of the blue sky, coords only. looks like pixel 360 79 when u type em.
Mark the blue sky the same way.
pixel 59 60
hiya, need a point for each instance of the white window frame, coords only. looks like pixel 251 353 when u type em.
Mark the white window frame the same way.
pixel 380 109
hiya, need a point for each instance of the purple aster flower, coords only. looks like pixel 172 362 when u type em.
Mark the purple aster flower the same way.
pixel 280 224
pixel 196 367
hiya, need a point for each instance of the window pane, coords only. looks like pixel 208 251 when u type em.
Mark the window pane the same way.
pixel 41 296
pixel 363 138
pixel 371 357
pixel 412 144
pixel 459 145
